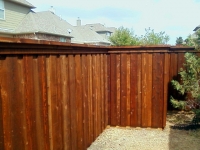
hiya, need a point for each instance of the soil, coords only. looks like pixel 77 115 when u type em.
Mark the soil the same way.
pixel 116 138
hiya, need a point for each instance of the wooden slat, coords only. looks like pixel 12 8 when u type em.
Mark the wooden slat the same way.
pixel 102 95
pixel 90 101
pixel 38 102
pixel 65 102
pixel 55 103
pixel 85 101
pixel 6 107
pixel 79 104
pixel 2 60
pixel 128 91
pixel 139 90
pixel 144 89
pixel 166 82
pixel 123 90
pixel 113 94
pixel 106 89
pixel 109 88
pixel 94 94
pixel 17 104
pixel 117 90
pixel 133 92
pixel 72 97
pixel 49 98
pixel 149 89
pixel 98 102
pixel 158 94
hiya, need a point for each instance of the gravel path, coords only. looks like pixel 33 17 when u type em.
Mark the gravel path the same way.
pixel 116 138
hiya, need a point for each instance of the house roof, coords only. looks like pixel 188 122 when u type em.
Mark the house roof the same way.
pixel 23 2
pixel 98 27
pixel 44 22
pixel 197 28
pixel 85 35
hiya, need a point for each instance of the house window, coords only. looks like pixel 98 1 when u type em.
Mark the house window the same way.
pixel 2 10
pixel 108 34
pixel 62 39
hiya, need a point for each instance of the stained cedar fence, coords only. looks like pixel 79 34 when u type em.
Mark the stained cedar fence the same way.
pixel 62 96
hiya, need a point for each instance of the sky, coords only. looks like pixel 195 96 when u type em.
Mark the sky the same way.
pixel 175 17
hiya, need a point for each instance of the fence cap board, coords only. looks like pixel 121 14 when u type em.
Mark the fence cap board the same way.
pixel 30 46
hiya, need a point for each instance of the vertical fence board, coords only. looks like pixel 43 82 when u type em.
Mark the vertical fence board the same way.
pixel 118 89
pixel 90 99
pixel 98 98
pixel 106 89
pixel 149 89
pixel 5 95
pixel 37 103
pixel 102 86
pixel 158 94
pixel 65 103
pixel 113 84
pixel 133 92
pixel 128 91
pixel 123 90
pixel 144 90
pixel 17 103
pixel 43 84
pixel 94 94
pixel 139 86
pixel 48 72
pixel 30 105
pixel 85 101
pixel 79 104
pixel 72 98
pixel 2 71
pixel 166 82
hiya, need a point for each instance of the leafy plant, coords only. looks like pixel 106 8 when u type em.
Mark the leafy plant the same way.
pixel 189 85
pixel 179 40
pixel 124 36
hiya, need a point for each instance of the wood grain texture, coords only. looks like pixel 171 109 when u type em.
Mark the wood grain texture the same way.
pixel 123 91
pixel 2 59
pixel 63 97
pixel 113 93
pixel 133 92
pixel 79 103
pixel 72 97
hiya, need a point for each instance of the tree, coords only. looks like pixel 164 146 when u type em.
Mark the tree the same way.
pixel 179 40
pixel 124 36
pixel 189 86
pixel 152 38
pixel 190 80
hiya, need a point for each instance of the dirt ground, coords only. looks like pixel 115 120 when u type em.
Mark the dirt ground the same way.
pixel 116 138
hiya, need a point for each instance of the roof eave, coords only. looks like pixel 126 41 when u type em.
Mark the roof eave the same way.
pixel 29 6
pixel 43 33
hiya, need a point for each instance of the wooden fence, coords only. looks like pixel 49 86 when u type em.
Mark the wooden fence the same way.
pixel 62 96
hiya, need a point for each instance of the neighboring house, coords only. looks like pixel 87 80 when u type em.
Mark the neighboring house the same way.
pixel 44 25
pixel 88 36
pixel 105 32
pixel 195 30
pixel 17 20
pixel 12 13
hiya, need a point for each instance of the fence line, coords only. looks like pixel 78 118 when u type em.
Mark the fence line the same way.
pixel 62 96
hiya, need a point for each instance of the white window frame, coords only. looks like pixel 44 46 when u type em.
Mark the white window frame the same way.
pixel 3 10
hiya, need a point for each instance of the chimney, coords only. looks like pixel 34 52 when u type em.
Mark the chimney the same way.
pixel 78 22
pixel 52 10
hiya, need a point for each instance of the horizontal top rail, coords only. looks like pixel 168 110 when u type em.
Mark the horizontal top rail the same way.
pixel 29 46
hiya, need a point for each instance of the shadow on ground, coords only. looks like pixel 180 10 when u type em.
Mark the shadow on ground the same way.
pixel 183 134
